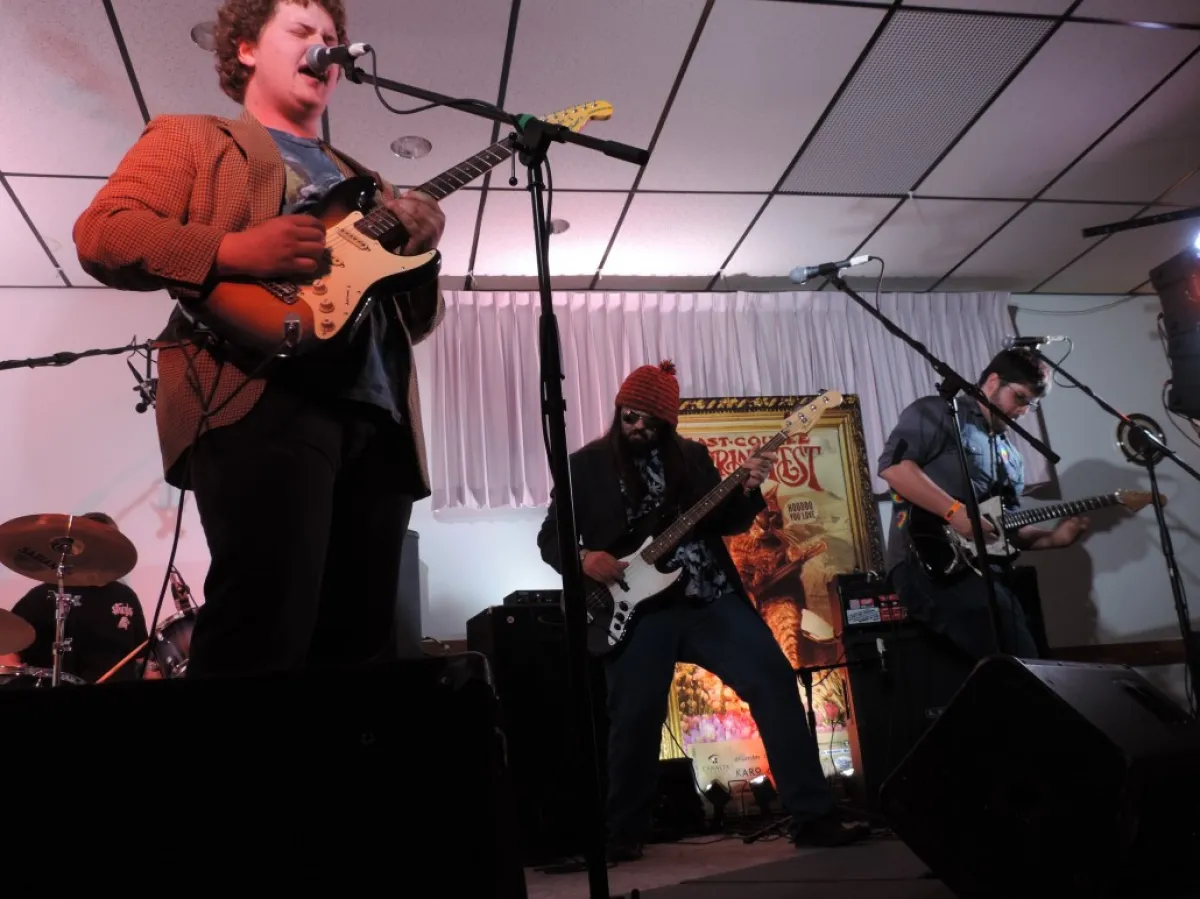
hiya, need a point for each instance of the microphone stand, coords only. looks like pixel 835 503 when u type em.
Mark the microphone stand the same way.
pixel 533 138
pixel 949 389
pixel 1156 450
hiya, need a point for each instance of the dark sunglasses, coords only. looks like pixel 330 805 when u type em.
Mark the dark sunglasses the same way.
pixel 631 418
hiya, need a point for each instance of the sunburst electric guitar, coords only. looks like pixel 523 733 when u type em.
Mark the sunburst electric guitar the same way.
pixel 947 556
pixel 320 314
pixel 612 608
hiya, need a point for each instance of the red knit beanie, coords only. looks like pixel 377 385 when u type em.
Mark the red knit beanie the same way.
pixel 653 389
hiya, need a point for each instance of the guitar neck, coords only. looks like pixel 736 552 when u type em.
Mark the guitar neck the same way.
pixel 1015 520
pixel 380 221
pixel 669 539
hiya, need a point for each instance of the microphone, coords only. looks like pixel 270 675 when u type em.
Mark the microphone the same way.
pixel 181 592
pixel 319 57
pixel 803 273
pixel 1013 343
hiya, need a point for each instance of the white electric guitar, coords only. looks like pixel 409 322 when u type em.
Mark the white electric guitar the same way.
pixel 611 608
pixel 946 555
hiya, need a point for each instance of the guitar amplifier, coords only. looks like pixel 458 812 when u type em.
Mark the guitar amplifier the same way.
pixel 540 598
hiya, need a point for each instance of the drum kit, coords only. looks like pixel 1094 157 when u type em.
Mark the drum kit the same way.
pixel 73 551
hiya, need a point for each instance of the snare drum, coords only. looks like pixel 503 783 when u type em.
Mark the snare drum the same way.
pixel 25 678
pixel 173 643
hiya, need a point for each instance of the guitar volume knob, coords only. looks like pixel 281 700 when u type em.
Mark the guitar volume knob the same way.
pixel 326 306
pixel 318 287
pixel 326 325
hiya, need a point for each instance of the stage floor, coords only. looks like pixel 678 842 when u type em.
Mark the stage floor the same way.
pixel 707 868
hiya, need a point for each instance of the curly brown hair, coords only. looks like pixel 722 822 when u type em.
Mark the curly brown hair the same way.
pixel 243 20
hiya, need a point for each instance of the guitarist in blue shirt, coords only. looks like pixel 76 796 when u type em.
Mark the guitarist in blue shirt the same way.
pixel 921 465
pixel 637 479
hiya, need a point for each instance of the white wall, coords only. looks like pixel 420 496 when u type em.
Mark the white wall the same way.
pixel 73 443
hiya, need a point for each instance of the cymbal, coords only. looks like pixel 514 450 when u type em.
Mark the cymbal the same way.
pixel 16 633
pixel 96 553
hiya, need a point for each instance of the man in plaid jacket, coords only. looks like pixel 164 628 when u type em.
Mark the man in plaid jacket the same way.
pixel 305 474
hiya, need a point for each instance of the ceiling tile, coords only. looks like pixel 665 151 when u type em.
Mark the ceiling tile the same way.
pixel 926 238
pixel 924 80
pixel 461 209
pixel 680 234
pixel 455 49
pixel 22 262
pixel 1042 122
pixel 1175 11
pixel 1033 7
pixel 712 135
pixel 54 204
pixel 1035 245
pixel 795 231
pixel 1124 260
pixel 506 238
pixel 175 75
pixel 1145 154
pixel 67 104
pixel 627 52
pixel 1188 192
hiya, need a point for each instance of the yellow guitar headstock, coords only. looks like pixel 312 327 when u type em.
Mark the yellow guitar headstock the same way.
pixel 802 418
pixel 575 117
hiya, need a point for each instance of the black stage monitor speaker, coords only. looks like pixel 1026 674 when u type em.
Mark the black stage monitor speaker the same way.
pixel 335 782
pixel 1054 779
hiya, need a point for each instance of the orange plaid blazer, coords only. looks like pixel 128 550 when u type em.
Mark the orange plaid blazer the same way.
pixel 157 224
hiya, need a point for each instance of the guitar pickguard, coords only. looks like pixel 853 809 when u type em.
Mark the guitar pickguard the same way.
pixel 355 262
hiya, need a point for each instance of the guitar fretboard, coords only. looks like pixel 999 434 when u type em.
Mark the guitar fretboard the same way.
pixel 667 541
pixel 1015 520
pixel 381 220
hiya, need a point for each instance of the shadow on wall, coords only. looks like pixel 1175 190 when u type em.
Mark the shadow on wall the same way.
pixel 1065 576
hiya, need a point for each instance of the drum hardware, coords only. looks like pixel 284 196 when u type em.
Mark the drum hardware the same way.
pixel 67 551
pixel 25 677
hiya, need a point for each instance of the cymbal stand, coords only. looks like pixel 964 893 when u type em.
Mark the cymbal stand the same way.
pixel 63 602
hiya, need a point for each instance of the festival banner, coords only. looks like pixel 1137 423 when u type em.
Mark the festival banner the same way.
pixel 821 521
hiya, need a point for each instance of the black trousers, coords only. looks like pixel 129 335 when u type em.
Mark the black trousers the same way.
pixel 728 638
pixel 305 506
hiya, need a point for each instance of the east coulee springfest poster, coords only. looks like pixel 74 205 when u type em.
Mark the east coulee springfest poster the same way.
pixel 821 520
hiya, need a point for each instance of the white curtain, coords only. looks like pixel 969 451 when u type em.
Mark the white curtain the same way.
pixel 485 441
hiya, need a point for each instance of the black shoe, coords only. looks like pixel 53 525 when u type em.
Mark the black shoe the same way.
pixel 829 830
pixel 620 850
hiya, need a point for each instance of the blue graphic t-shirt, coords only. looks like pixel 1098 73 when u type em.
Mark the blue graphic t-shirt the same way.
pixel 702 578
pixel 376 364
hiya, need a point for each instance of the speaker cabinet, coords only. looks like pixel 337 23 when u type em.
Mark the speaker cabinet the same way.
pixel 1053 779
pixel 527 650
pixel 900 681
pixel 333 782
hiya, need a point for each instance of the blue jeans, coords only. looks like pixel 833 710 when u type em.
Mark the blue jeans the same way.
pixel 728 638
pixel 960 612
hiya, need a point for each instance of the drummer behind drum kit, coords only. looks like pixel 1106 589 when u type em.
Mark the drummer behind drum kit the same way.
pixel 72 551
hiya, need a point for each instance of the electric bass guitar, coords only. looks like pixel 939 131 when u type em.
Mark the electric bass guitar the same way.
pixel 611 609
pixel 321 313
pixel 946 556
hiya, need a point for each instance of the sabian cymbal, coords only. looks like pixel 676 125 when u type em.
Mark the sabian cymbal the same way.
pixel 95 553
pixel 16 634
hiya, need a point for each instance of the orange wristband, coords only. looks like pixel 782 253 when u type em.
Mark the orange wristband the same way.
pixel 954 508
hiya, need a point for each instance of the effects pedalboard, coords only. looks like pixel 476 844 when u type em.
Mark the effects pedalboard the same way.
pixel 868 602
